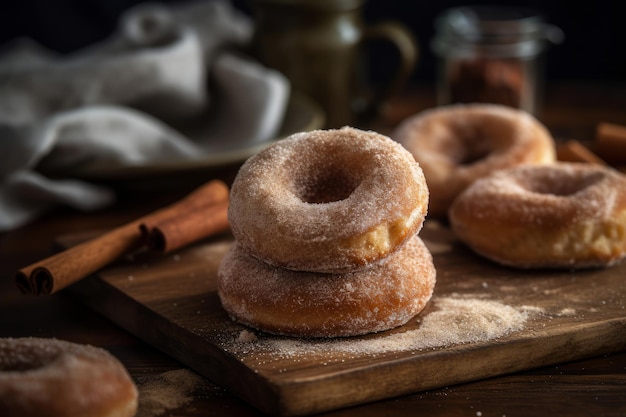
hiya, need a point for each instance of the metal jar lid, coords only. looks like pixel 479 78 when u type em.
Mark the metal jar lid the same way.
pixel 499 31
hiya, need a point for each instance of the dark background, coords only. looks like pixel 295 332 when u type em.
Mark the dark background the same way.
pixel 594 47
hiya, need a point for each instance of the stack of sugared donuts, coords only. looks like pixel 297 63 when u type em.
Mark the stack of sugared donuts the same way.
pixel 326 230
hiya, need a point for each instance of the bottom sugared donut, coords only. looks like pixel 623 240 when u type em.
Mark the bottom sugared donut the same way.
pixel 564 215
pixel 55 378
pixel 382 296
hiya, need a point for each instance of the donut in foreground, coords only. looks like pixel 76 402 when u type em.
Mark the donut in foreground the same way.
pixel 55 378
pixel 457 144
pixel 565 215
pixel 327 200
pixel 307 304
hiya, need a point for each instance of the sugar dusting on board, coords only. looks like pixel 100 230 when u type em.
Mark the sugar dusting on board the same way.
pixel 453 321
pixel 167 391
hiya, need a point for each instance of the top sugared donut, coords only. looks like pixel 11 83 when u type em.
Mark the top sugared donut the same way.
pixel 457 144
pixel 327 200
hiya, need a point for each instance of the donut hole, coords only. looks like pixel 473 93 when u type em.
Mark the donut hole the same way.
pixel 563 186
pixel 474 151
pixel 469 144
pixel 467 147
pixel 487 135
pixel 326 184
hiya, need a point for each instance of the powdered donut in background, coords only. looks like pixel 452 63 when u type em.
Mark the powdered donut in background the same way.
pixel 457 144
pixel 565 215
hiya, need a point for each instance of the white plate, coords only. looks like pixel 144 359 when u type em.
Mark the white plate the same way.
pixel 301 115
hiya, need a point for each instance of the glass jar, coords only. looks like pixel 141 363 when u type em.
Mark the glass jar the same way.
pixel 492 54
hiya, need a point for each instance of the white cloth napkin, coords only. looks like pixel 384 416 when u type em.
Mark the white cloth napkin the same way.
pixel 170 83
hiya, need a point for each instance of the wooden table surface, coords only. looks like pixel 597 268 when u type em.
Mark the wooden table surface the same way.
pixel 590 387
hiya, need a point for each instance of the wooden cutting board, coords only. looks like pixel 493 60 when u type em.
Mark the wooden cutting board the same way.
pixel 483 320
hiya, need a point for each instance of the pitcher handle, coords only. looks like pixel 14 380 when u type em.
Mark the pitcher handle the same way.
pixel 408 50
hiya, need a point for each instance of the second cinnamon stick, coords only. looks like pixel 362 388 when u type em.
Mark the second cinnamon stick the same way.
pixel 174 233
pixel 610 142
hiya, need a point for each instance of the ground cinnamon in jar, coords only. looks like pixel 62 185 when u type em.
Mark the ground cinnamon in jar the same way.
pixel 490 81
pixel 492 54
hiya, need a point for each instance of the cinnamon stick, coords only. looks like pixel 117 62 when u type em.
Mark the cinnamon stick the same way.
pixel 64 268
pixel 610 142
pixel 211 193
pixel 174 233
pixel 574 151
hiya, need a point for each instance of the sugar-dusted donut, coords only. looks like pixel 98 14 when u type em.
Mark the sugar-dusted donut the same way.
pixel 327 200
pixel 568 215
pixel 55 378
pixel 457 144
pixel 308 304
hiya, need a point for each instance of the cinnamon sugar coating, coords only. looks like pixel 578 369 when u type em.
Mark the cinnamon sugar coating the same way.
pixel 565 215
pixel 457 144
pixel 379 297
pixel 55 378
pixel 328 200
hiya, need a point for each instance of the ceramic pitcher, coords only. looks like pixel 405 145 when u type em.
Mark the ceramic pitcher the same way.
pixel 321 46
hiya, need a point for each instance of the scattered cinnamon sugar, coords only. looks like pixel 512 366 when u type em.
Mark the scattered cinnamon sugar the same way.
pixel 453 321
pixel 246 336
pixel 166 391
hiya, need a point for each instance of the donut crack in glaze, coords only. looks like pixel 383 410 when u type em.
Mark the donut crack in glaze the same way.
pixel 328 200
pixel 55 378
pixel 308 304
pixel 457 144
pixel 564 215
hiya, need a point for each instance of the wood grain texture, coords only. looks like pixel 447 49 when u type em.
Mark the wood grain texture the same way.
pixel 171 302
